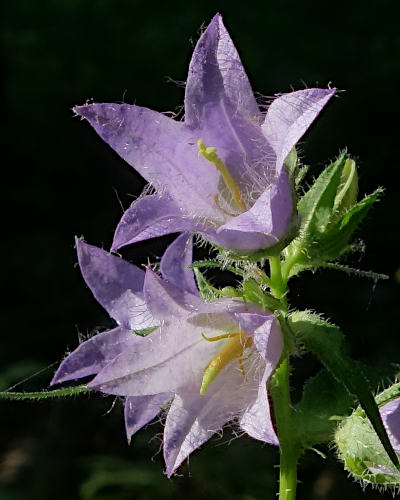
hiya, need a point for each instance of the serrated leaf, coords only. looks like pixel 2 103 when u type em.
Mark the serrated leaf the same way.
pixel 143 332
pixel 324 402
pixel 253 293
pixel 326 341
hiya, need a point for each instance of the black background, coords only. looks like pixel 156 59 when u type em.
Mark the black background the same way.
pixel 60 180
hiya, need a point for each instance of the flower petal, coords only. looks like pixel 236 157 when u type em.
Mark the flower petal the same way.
pixel 140 410
pixel 215 71
pixel 256 420
pixel 167 300
pixel 290 115
pixel 170 358
pixel 148 217
pixel 175 261
pixel 390 413
pixel 116 284
pixel 270 217
pixel 161 149
pixel 91 356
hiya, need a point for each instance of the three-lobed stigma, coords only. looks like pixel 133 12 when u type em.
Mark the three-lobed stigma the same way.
pixel 232 349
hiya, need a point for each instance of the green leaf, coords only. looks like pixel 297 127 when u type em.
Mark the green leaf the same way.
pixel 253 293
pixel 324 402
pixel 143 332
pixel 326 341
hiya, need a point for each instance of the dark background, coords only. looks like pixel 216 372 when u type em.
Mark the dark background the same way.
pixel 60 180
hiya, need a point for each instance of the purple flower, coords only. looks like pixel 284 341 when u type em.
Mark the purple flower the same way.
pixel 210 361
pixel 221 171
pixel 390 413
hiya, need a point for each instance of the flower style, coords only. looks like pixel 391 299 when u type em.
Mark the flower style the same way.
pixel 220 172
pixel 210 362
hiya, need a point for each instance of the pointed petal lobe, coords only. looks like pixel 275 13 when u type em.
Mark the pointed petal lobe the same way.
pixel 92 355
pixel 175 261
pixel 140 410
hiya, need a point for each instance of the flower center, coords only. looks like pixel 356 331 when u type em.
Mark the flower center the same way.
pixel 232 349
pixel 210 154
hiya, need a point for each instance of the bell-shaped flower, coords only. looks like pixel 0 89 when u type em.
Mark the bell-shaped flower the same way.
pixel 221 171
pixel 209 363
pixel 390 413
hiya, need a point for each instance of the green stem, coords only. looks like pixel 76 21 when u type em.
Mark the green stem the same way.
pixel 289 450
pixel 66 391
pixel 280 391
pixel 277 282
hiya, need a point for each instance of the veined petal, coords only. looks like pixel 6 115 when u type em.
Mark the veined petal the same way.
pixel 290 115
pixel 167 300
pixel 140 410
pixel 216 71
pixel 390 413
pixel 256 420
pixel 116 284
pixel 175 261
pixel 271 216
pixel 172 357
pixel 161 149
pixel 148 217
pixel 91 356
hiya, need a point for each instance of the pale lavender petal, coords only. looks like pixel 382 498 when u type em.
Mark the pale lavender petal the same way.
pixel 216 70
pixel 193 418
pixel 91 356
pixel 390 413
pixel 161 149
pixel 148 217
pixel 175 261
pixel 116 284
pixel 271 215
pixel 140 410
pixel 290 115
pixel 166 300
pixel 170 358
pixel 256 420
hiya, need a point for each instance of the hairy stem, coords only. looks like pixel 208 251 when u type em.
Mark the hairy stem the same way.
pixel 57 393
pixel 289 450
pixel 280 391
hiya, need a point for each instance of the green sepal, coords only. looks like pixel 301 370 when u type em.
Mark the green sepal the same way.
pixel 206 290
pixel 302 172
pixel 326 342
pixel 291 163
pixel 143 332
pixel 324 403
pixel 216 264
pixel 361 451
pixel 329 216
pixel 347 191
pixel 253 293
